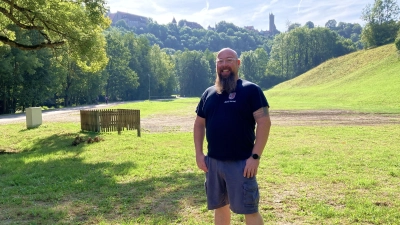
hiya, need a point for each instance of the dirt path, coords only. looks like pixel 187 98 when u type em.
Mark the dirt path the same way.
pixel 162 123
pixel 331 117
pixel 283 118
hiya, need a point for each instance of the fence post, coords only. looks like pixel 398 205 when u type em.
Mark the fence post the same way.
pixel 97 116
pixel 138 122
pixel 118 120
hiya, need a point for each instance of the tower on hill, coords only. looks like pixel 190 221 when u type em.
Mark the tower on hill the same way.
pixel 272 27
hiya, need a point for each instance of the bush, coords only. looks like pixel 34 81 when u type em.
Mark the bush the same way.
pixel 397 41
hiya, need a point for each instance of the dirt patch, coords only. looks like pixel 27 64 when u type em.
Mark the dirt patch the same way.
pixel 170 123
pixel 331 118
pixel 165 123
pixel 282 118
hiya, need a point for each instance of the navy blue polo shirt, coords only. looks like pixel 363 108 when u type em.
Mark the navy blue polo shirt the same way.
pixel 229 120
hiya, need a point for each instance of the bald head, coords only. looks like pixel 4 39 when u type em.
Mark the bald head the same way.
pixel 228 50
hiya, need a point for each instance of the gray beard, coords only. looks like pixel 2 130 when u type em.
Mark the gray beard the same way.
pixel 225 84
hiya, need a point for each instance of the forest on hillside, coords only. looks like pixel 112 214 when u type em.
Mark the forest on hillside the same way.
pixel 56 66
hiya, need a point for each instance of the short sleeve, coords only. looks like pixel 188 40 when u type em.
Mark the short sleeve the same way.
pixel 258 99
pixel 200 107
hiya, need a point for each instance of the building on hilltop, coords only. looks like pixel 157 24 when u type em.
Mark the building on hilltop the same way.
pixel 130 19
pixel 192 25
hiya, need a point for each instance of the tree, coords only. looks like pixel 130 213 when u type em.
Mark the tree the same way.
pixel 253 65
pixel 210 57
pixel 5 77
pixel 139 50
pixel 301 49
pixel 223 26
pixel 71 76
pixel 193 72
pixel 26 78
pixel 162 77
pixel 377 35
pixel 122 23
pixel 53 23
pixel 293 26
pixel 153 40
pixel 381 12
pixel 121 79
pixel 172 42
pixel 42 84
pixel 397 42
pixel 382 26
pixel 248 70
pixel 160 31
pixel 309 24
pixel 331 24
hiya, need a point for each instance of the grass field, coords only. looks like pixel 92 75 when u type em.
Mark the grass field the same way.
pixel 330 174
pixel 308 175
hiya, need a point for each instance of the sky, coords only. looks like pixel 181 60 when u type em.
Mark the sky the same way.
pixel 246 12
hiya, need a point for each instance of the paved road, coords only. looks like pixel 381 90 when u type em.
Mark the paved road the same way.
pixel 21 117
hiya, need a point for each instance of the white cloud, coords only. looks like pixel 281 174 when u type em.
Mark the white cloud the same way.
pixel 298 6
pixel 261 11
pixel 157 8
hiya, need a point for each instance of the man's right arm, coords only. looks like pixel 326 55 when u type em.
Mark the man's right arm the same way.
pixel 199 130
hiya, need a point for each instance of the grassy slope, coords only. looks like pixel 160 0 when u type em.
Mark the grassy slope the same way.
pixel 366 81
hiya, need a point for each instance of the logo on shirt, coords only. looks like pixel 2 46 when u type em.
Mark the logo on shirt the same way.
pixel 231 98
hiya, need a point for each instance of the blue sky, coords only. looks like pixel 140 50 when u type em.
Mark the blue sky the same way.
pixel 246 12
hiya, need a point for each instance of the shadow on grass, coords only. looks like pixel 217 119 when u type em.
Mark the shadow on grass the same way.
pixel 70 190
pixel 61 142
pixel 5 152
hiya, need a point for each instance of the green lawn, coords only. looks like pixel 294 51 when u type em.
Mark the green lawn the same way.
pixel 308 175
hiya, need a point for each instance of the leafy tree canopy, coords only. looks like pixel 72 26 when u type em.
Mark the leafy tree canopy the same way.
pixel 397 42
pixel 381 11
pixel 52 23
pixel 382 25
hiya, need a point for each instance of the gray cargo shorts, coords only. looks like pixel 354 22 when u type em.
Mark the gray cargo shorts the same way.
pixel 225 185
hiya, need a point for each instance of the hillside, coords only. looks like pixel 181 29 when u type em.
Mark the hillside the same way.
pixel 366 81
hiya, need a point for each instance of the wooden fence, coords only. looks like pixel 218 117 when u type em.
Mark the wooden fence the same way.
pixel 108 120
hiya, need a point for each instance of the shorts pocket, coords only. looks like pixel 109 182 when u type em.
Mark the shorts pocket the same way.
pixel 250 194
pixel 205 186
pixel 206 161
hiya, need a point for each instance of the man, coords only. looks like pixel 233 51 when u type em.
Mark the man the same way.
pixel 227 114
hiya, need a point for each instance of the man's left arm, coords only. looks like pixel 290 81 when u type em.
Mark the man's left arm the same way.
pixel 263 121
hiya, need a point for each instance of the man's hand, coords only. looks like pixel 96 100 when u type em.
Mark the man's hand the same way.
pixel 251 167
pixel 200 160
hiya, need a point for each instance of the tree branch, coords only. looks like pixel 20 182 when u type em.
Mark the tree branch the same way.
pixel 42 45
pixel 17 22
pixel 13 5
